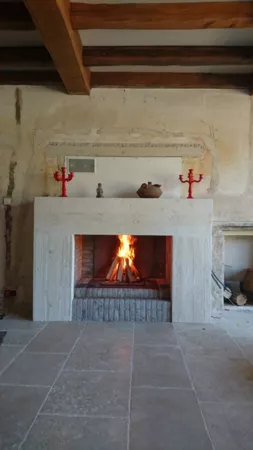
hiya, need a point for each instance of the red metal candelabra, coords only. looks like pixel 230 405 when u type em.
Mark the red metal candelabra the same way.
pixel 190 181
pixel 61 176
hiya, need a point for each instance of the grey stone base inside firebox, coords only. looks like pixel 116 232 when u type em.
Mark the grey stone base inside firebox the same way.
pixel 125 310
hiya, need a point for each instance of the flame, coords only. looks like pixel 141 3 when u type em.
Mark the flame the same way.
pixel 126 248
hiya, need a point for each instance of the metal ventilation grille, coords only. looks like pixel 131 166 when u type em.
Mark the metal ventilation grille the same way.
pixel 81 165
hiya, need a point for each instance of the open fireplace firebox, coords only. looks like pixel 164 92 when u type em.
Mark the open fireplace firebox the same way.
pixel 135 270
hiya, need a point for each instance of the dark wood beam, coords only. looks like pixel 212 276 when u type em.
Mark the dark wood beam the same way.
pixel 162 16
pixel 14 16
pixel 30 77
pixel 170 80
pixel 166 56
pixel 133 80
pixel 39 58
pixel 52 19
pixel 25 58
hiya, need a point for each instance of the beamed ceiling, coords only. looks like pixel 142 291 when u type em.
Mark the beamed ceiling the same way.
pixel 83 45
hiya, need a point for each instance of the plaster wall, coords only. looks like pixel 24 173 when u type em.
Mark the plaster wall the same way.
pixel 209 129
pixel 121 177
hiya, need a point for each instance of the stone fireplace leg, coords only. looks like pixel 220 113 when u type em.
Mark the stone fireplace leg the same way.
pixel 53 288
pixel 191 279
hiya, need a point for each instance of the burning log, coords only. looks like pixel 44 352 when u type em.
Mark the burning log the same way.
pixel 135 272
pixel 130 274
pixel 113 268
pixel 122 268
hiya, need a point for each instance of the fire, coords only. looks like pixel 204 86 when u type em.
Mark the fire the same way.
pixel 122 268
pixel 126 249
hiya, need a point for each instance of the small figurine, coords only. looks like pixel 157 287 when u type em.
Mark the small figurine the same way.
pixel 100 193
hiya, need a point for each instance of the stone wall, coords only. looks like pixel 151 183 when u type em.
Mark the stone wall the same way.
pixel 88 257
pixel 211 130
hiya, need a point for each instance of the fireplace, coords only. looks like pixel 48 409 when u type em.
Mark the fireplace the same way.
pixel 75 243
pixel 122 277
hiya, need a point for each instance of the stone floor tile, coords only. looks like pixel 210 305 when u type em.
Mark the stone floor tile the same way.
pixel 56 337
pixel 163 419
pixel 179 327
pixel 221 379
pixel 7 354
pixel 109 331
pixel 154 334
pixel 19 324
pixel 77 433
pixel 237 322
pixel 38 369
pixel 90 393
pixel 102 352
pixel 18 337
pixel 246 345
pixel 159 367
pixel 18 407
pixel 229 425
pixel 209 343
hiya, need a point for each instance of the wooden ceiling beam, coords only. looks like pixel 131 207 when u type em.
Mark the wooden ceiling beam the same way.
pixel 14 16
pixel 170 80
pixel 25 58
pixel 162 16
pixel 166 56
pixel 39 58
pixel 133 79
pixel 52 19
pixel 28 77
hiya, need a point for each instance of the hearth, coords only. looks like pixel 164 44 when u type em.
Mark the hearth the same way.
pixel 122 277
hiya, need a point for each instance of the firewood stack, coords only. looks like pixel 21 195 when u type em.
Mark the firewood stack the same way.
pixel 122 271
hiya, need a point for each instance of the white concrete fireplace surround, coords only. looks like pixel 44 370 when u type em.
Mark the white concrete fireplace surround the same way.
pixel 57 220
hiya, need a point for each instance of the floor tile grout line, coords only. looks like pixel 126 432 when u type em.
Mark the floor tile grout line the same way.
pixel 12 345
pixel 23 330
pixel 22 350
pixel 45 353
pixel 163 388
pixel 195 394
pixel 83 415
pixel 225 402
pixel 49 392
pixel 40 386
pixel 97 370
pixel 157 345
pixel 130 388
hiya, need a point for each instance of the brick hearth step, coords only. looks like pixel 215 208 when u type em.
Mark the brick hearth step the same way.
pixel 125 310
pixel 118 293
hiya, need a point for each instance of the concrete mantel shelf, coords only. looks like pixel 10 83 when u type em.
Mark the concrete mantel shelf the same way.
pixel 121 215
pixel 57 220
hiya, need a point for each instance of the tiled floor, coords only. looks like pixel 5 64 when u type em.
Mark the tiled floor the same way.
pixel 126 386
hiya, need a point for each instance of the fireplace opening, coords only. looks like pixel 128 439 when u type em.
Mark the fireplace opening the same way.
pixel 123 272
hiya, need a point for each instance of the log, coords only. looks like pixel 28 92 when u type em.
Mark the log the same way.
pixel 113 268
pixel 239 299
pixel 120 269
pixel 130 275
pixel 124 278
pixel 135 272
pixel 114 274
